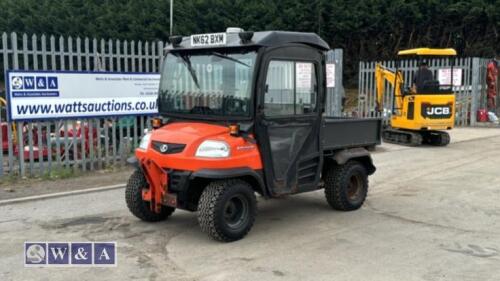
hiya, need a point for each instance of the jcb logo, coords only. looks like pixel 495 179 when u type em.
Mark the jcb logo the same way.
pixel 438 111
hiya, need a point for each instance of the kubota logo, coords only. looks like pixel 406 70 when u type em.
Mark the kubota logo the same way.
pixel 164 148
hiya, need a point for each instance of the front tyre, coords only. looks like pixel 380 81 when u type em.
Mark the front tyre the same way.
pixel 227 209
pixel 137 206
pixel 346 186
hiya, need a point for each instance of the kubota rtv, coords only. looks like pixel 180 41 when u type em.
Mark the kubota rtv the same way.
pixel 242 114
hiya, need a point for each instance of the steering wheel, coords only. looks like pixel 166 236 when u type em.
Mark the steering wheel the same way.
pixel 201 110
pixel 234 106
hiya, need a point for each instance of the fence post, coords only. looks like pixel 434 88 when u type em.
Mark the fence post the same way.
pixel 1 145
pixel 361 90
pixel 334 95
pixel 339 85
pixel 20 148
pixel 475 91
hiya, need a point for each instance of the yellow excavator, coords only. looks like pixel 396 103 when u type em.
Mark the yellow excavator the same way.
pixel 422 111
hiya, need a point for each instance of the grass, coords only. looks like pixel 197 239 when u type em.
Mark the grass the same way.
pixel 55 174
pixel 60 173
pixel 9 179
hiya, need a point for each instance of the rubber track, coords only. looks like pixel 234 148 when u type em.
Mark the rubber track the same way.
pixel 438 138
pixel 402 137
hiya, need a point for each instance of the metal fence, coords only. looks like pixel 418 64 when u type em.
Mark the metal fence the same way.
pixel 40 148
pixel 470 96
pixel 335 95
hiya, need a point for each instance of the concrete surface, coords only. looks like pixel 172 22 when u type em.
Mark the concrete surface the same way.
pixel 432 214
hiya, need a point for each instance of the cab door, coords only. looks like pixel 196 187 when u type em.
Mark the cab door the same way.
pixel 289 107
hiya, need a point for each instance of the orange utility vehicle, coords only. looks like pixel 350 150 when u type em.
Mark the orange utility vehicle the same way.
pixel 242 113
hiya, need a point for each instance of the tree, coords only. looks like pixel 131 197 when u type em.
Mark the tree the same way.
pixel 365 29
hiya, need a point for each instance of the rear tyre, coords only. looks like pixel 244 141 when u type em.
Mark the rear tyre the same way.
pixel 346 186
pixel 227 209
pixel 138 207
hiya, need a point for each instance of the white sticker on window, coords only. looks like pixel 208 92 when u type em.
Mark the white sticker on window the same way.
pixel 444 76
pixel 303 75
pixel 330 75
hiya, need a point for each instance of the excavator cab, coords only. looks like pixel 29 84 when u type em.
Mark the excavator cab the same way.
pixel 424 80
pixel 423 106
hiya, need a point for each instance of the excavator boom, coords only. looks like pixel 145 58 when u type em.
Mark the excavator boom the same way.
pixel 383 74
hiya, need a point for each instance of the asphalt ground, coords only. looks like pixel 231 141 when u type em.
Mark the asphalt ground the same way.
pixel 432 213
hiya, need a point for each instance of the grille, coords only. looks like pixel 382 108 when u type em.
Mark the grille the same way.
pixel 170 147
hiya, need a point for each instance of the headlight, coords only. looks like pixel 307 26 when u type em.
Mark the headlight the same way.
pixel 145 141
pixel 213 149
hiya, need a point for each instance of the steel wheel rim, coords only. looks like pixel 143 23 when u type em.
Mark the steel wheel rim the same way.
pixel 355 187
pixel 236 211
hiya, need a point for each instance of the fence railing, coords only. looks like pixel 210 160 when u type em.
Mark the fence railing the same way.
pixel 470 96
pixel 40 148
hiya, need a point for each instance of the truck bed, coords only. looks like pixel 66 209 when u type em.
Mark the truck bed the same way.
pixel 342 132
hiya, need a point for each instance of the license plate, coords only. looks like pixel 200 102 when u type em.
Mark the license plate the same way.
pixel 209 39
pixel 170 200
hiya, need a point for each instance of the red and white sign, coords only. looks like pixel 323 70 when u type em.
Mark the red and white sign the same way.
pixel 444 76
pixel 303 75
pixel 330 75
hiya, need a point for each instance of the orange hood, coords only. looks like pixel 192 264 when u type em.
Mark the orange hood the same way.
pixel 192 134
pixel 187 132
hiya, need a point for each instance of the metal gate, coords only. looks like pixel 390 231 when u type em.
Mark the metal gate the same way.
pixel 42 148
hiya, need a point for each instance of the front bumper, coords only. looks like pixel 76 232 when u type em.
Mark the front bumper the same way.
pixel 180 188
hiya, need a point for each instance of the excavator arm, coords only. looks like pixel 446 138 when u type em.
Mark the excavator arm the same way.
pixel 383 74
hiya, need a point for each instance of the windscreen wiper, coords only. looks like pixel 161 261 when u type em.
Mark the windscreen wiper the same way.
pixel 229 58
pixel 187 62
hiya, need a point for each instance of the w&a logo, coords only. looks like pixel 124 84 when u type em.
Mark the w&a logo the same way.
pixel 34 83
pixel 70 254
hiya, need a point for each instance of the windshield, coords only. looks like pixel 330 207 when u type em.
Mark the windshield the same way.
pixel 209 83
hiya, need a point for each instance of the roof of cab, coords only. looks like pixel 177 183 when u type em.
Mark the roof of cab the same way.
pixel 261 38
pixel 428 52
